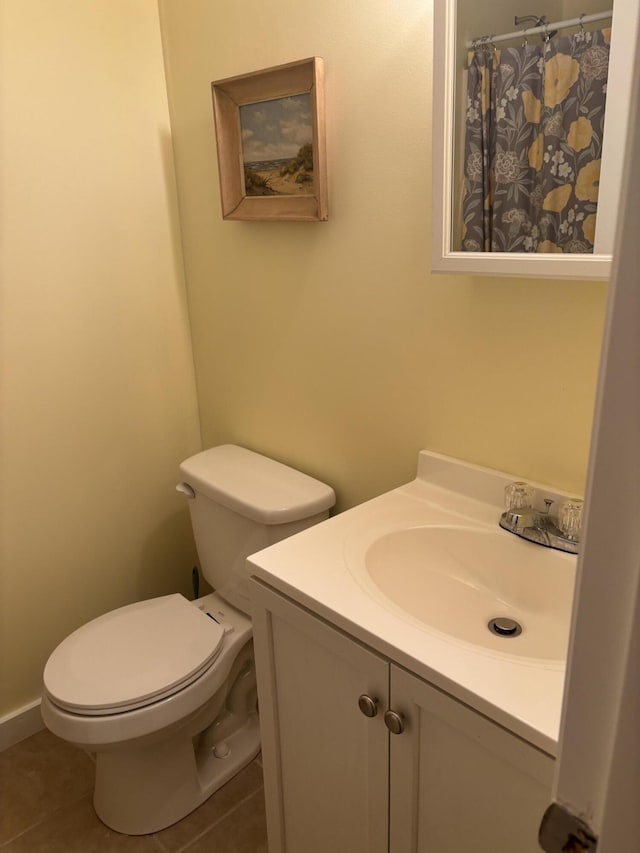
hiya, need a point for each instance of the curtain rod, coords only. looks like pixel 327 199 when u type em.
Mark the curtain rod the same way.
pixel 558 25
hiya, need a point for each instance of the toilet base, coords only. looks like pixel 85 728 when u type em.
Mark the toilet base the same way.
pixel 144 790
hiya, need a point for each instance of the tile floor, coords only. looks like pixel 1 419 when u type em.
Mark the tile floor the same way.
pixel 46 807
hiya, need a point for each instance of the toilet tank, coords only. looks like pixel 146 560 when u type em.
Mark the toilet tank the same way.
pixel 241 502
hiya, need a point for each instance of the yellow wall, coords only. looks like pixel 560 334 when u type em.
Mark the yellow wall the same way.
pixel 97 391
pixel 330 345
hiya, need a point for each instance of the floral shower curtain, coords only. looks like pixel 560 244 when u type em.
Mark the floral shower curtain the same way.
pixel 535 118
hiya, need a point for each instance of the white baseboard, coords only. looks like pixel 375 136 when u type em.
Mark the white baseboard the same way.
pixel 20 724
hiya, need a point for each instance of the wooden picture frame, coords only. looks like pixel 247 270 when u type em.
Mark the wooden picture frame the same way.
pixel 271 119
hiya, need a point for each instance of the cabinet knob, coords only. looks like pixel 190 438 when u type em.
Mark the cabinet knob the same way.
pixel 367 705
pixel 394 722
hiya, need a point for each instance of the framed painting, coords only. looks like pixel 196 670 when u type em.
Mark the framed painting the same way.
pixel 271 146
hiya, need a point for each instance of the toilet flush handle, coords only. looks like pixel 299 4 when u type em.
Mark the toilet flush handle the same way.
pixel 186 489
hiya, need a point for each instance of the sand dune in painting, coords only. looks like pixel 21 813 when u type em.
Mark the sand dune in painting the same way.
pixel 292 176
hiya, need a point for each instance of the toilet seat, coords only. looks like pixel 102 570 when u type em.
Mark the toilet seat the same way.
pixel 132 657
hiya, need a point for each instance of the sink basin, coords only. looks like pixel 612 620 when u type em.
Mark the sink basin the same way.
pixel 456 579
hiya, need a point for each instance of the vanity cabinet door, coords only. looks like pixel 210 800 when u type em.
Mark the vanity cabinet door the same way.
pixel 459 781
pixel 325 763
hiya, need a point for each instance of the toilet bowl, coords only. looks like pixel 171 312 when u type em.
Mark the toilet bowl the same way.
pixel 163 691
pixel 149 773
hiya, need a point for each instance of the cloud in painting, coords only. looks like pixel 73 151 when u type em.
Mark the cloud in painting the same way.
pixel 275 130
pixel 299 105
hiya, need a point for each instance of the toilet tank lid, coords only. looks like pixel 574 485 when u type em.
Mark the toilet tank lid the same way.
pixel 255 486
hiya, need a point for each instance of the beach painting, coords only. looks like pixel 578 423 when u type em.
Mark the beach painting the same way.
pixel 270 135
pixel 277 146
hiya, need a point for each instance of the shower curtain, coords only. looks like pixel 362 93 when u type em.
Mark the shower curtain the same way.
pixel 535 118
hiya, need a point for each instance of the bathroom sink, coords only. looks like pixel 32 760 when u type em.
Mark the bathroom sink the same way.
pixel 456 579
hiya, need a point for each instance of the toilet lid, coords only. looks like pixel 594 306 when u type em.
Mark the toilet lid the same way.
pixel 132 656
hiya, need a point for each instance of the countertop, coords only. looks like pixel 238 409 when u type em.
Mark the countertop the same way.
pixel 315 569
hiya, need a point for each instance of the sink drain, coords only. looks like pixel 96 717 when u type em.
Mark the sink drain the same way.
pixel 501 626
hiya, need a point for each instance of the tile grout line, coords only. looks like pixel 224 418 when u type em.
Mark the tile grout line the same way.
pixel 44 820
pixel 159 844
pixel 212 825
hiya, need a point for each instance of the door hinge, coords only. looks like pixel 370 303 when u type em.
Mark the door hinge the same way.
pixel 563 832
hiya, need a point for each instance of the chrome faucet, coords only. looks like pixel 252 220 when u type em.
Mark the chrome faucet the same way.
pixel 539 525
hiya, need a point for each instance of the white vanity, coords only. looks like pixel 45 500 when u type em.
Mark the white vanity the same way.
pixel 391 724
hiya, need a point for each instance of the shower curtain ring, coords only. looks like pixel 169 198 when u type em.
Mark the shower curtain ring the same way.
pixel 581 23
pixel 525 39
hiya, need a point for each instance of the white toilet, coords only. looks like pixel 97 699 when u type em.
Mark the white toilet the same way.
pixel 164 691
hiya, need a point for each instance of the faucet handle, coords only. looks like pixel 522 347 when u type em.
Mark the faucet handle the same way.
pixel 518 496
pixel 571 519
